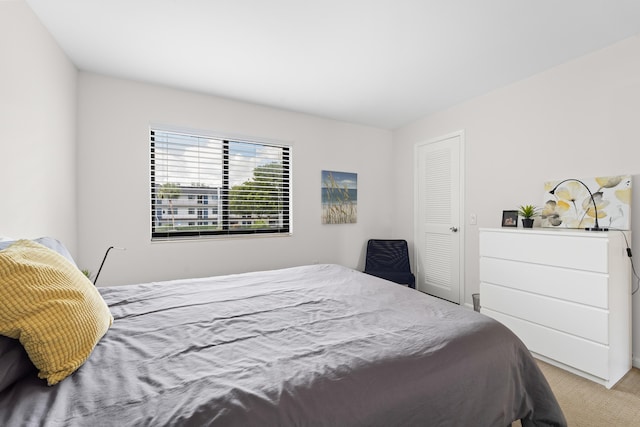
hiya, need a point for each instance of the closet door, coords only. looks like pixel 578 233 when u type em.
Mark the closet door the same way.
pixel 438 203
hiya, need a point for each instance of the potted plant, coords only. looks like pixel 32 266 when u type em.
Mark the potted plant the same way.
pixel 528 213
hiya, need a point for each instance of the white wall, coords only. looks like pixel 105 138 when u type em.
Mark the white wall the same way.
pixel 577 120
pixel 37 130
pixel 113 183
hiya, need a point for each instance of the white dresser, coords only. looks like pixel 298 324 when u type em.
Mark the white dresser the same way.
pixel 565 294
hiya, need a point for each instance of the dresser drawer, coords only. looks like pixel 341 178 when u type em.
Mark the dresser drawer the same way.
pixel 584 355
pixel 583 321
pixel 583 287
pixel 579 253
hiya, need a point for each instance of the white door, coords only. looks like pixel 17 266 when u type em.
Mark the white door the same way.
pixel 439 168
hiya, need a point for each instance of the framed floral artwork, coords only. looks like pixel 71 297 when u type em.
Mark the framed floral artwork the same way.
pixel 568 204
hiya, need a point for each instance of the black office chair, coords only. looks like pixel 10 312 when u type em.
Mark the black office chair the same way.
pixel 389 259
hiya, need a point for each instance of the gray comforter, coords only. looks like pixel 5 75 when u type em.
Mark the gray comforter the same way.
pixel 307 346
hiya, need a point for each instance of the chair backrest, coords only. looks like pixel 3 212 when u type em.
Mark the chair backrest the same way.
pixel 387 254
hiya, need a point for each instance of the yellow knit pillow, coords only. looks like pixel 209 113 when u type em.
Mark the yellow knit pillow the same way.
pixel 51 307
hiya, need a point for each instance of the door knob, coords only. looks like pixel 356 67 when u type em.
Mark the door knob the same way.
pixel 454 229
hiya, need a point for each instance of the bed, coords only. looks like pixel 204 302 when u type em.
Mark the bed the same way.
pixel 312 345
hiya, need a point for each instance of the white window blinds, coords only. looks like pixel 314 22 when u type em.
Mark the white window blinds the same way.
pixel 202 185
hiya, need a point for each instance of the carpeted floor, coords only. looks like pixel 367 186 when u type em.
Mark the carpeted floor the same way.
pixel 587 404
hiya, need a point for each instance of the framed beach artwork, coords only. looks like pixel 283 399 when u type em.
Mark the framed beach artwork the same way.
pixel 339 197
pixel 570 204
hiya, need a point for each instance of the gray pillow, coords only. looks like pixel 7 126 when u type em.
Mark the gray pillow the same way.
pixel 14 362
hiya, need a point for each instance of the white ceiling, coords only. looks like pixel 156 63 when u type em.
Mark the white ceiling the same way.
pixel 377 62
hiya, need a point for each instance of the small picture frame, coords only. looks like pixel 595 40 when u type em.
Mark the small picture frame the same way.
pixel 509 218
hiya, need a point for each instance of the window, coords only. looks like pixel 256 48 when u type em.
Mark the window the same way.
pixel 238 187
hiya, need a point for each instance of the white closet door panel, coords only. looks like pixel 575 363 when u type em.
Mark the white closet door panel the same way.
pixel 561 251
pixel 581 354
pixel 580 320
pixel 438 250
pixel 578 286
pixel 438 235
